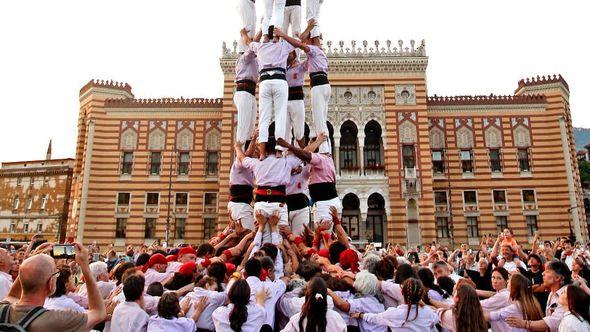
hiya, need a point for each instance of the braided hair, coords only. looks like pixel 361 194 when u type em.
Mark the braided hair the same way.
pixel 413 291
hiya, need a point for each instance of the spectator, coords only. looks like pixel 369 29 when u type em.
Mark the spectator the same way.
pixel 100 272
pixel 483 276
pixel 64 284
pixel 577 316
pixel 37 280
pixel 431 290
pixel 129 316
pixel 5 267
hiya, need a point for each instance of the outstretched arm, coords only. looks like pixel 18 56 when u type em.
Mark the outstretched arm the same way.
pixel 239 151
pixel 310 24
pixel 245 36
pixel 300 153
pixel 316 144
pixel 296 43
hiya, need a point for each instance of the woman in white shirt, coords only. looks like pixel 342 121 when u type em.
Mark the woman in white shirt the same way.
pixel 410 316
pixel 523 304
pixel 167 318
pixel 466 312
pixel 239 314
pixel 499 299
pixel 63 285
pixel 315 315
pixel 577 317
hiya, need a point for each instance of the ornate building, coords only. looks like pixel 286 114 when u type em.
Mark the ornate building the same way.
pixel 34 198
pixel 411 168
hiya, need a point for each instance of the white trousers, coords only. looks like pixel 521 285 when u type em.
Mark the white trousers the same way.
pixel 313 12
pixel 321 209
pixel 295 119
pixel 247 12
pixel 267 210
pixel 242 213
pixel 246 104
pixel 293 19
pixel 320 98
pixel 273 96
pixel 297 219
pixel 274 14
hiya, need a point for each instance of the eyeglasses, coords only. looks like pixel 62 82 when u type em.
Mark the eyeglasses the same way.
pixel 56 274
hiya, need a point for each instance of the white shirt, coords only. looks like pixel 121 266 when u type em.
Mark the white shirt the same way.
pixel 256 318
pixel 366 304
pixel 159 324
pixel 395 318
pixel 554 312
pixel 173 267
pixel 104 287
pixel 215 300
pixel 152 276
pixel 572 323
pixel 498 301
pixel 62 303
pixel 334 323
pixel 150 303
pixel 498 318
pixel 511 266
pixel 291 304
pixel 276 288
pixel 392 294
pixel 129 317
pixel 5 284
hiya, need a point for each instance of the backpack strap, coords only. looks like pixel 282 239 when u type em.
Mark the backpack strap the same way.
pixel 4 313
pixel 30 317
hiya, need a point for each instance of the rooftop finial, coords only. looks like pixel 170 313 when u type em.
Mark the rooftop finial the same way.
pixel 48 153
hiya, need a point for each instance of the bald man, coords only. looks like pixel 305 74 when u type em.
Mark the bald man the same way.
pixel 36 281
pixel 5 278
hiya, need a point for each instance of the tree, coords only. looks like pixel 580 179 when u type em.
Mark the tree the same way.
pixel 584 167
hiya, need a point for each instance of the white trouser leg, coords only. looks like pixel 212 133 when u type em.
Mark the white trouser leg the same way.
pixel 242 213
pixel 313 12
pixel 298 219
pixel 280 90
pixel 321 209
pixel 293 19
pixel 267 210
pixel 247 12
pixel 265 98
pixel 246 105
pixel 268 5
pixel 296 119
pixel 320 98
pixel 278 14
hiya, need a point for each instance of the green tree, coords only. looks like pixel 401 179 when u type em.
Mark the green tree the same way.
pixel 584 167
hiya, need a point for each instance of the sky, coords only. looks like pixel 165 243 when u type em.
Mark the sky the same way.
pixel 50 49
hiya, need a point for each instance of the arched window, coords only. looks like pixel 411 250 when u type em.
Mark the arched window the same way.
pixel 212 146
pixel 348 146
pixel 375 218
pixel 373 144
pixel 351 215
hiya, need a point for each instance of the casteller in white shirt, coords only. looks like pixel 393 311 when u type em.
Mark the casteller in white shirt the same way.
pixel 395 318
pixel 129 317
pixel 182 324
pixel 256 317
pixel 334 323
pixel 62 303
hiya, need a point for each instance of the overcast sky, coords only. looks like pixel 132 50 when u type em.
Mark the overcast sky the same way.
pixel 50 49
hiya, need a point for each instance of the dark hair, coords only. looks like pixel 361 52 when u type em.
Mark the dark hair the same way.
pixel 308 270
pixel 133 287
pixel 385 269
pixel 60 285
pixel 561 269
pixel 270 250
pixel 155 289
pixel 537 258
pixel 204 281
pixel 253 268
pixel 403 272
pixel 120 269
pixel 413 257
pixel 467 312
pixel 335 249
pixel 217 270
pixel 503 272
pixel 447 284
pixel 439 264
pixel 239 296
pixel 205 249
pixel 315 306
pixel 336 284
pixel 168 306
pixel 271 144
pixel 267 263
pixel 142 259
pixel 413 291
pixel 427 278
pixel 179 280
pixel 578 302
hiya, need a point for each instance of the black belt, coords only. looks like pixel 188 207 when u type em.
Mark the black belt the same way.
pixel 318 78
pixel 281 75
pixel 246 85
pixel 297 202
pixel 241 193
pixel 293 3
pixel 296 93
pixel 323 191
pixel 275 194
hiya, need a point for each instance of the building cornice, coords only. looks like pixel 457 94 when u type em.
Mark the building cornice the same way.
pixel 113 85
pixel 164 103
pixel 542 80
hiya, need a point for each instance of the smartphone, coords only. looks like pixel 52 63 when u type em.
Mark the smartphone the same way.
pixel 95 257
pixel 63 251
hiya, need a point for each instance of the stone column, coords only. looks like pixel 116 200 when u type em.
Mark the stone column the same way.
pixel 337 152
pixel 361 138
pixel 364 207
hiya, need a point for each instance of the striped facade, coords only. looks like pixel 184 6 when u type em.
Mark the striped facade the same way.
pixel 387 135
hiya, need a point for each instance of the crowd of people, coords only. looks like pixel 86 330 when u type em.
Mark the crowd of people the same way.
pixel 284 262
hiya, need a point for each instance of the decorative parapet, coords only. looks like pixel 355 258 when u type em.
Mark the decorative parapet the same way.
pixel 106 84
pixel 353 57
pixel 542 80
pixel 486 100
pixel 164 102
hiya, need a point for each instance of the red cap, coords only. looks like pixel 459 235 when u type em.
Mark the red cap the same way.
pixel 324 253
pixel 186 251
pixel 188 268
pixel 349 259
pixel 206 263
pixel 171 258
pixel 155 259
pixel 263 275
pixel 230 268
